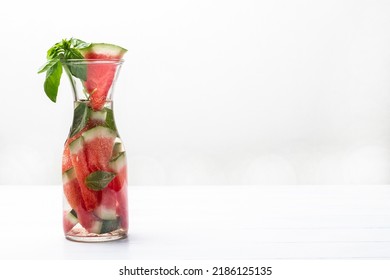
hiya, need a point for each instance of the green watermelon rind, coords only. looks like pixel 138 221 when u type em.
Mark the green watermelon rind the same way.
pixel 105 213
pixel 76 145
pixel 110 225
pixel 118 163
pixel 97 132
pixel 98 115
pixel 109 50
pixel 118 148
pixel 72 218
pixel 96 227
pixel 68 176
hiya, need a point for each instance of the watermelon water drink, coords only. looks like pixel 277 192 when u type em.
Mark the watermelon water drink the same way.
pixel 95 178
pixel 94 169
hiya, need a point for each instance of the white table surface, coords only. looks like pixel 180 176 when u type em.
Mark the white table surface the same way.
pixel 209 222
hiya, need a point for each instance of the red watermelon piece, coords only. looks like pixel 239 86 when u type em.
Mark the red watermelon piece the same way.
pixel 89 221
pixel 91 152
pixel 100 75
pixel 95 119
pixel 66 160
pixel 118 165
pixel 74 196
pixel 69 221
pixel 122 208
pixel 98 146
pixel 66 157
pixel 80 163
pixel 71 188
pixel 107 207
pixel 120 180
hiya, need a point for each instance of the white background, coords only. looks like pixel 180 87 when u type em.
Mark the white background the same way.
pixel 212 92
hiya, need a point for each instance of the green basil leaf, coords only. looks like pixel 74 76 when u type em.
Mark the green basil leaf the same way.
pixel 54 51
pixel 52 81
pixel 80 118
pixel 110 122
pixel 77 70
pixel 56 55
pixel 48 65
pixel 98 180
pixel 74 54
pixel 79 44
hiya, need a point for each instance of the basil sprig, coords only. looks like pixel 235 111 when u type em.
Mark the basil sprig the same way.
pixel 56 56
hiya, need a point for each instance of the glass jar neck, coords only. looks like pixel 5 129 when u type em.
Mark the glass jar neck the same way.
pixel 93 81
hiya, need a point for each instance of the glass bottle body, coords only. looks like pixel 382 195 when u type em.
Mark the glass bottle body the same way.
pixel 94 167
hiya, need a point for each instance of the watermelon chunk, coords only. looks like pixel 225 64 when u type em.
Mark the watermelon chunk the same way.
pixel 107 207
pixel 69 221
pixel 91 152
pixel 118 148
pixel 75 199
pixel 71 188
pixel 98 117
pixel 89 221
pixel 110 225
pixel 80 163
pixel 100 76
pixel 118 165
pixel 121 209
pixel 98 146
pixel 66 160
pixel 95 119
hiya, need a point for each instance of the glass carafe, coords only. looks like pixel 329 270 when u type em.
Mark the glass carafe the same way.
pixel 94 168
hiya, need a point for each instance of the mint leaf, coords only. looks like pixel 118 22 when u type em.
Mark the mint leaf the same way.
pixel 80 118
pixel 52 81
pixel 98 180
